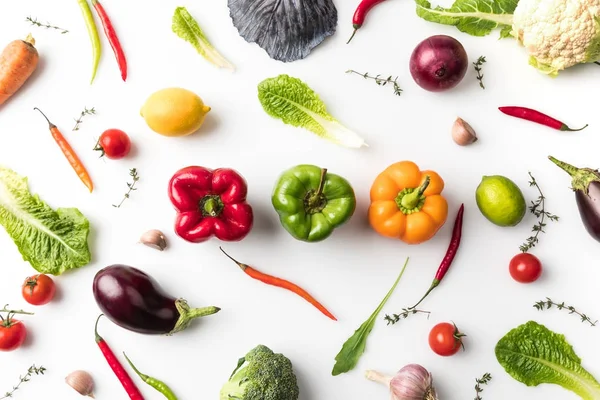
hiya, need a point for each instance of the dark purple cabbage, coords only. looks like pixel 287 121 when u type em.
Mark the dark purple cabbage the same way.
pixel 287 30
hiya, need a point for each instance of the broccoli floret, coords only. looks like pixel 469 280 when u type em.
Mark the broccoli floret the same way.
pixel 262 375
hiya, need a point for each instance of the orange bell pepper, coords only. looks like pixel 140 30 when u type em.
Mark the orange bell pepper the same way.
pixel 406 203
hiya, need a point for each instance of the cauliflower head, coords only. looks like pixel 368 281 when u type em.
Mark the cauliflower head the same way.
pixel 558 34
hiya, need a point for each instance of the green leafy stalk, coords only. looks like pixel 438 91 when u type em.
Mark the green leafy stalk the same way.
pixel 186 27
pixel 295 103
pixel 85 112
pixel 380 81
pixel 130 185
pixel 355 346
pixel 34 21
pixel 537 208
pixel 394 318
pixel 52 241
pixel 33 370
pixel 478 65
pixel 548 304
pixel 484 380
pixel 532 354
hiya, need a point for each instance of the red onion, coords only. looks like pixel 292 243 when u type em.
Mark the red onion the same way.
pixel 438 63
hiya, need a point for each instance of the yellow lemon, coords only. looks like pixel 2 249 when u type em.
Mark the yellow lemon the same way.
pixel 174 112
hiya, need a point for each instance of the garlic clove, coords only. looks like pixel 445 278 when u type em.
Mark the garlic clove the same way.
pixel 155 239
pixel 82 382
pixel 462 133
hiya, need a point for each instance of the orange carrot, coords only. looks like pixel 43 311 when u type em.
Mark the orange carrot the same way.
pixel 69 154
pixel 17 62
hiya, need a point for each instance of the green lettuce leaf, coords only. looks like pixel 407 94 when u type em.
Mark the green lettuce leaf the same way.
pixel 533 354
pixel 186 27
pixel 296 104
pixel 475 17
pixel 51 241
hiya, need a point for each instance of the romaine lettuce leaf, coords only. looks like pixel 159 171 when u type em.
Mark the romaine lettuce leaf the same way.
pixel 186 27
pixel 533 354
pixel 475 17
pixel 51 241
pixel 292 101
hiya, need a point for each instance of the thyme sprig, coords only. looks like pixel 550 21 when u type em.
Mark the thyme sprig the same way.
pixel 394 318
pixel 484 380
pixel 478 67
pixel 538 209
pixel 33 370
pixel 548 304
pixel 380 81
pixel 131 185
pixel 34 21
pixel 85 112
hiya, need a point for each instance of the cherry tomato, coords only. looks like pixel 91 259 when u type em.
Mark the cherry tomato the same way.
pixel 114 144
pixel 445 339
pixel 525 268
pixel 38 289
pixel 12 334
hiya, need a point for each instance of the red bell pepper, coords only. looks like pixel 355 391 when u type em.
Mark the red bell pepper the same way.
pixel 210 203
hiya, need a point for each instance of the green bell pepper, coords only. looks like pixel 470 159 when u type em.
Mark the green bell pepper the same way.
pixel 311 202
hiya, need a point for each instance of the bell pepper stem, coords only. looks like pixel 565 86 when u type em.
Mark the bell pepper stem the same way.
pixel 411 200
pixel 315 201
pixel 211 206
pixel 187 314
pixel 321 182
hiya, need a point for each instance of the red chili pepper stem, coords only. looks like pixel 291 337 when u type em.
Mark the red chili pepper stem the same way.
pixel 98 337
pixel 450 254
pixel 564 127
pixel 356 28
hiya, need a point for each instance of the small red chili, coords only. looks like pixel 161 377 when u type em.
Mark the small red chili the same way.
pixel 450 254
pixel 111 35
pixel 361 13
pixel 115 365
pixel 536 116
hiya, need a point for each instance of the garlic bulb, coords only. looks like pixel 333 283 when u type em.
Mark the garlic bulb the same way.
pixel 82 382
pixel 462 133
pixel 412 382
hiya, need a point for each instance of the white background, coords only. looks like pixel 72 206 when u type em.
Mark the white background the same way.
pixel 352 270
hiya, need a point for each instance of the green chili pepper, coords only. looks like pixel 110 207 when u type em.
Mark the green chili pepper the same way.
pixel 311 202
pixel 155 383
pixel 93 32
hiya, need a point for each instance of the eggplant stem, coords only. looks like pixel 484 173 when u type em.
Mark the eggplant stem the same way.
pixel 187 315
pixel 568 168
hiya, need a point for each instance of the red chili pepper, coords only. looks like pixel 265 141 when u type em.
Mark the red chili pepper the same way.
pixel 538 117
pixel 271 280
pixel 450 253
pixel 361 13
pixel 111 35
pixel 210 203
pixel 124 378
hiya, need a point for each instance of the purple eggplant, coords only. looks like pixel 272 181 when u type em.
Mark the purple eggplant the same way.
pixel 135 301
pixel 586 185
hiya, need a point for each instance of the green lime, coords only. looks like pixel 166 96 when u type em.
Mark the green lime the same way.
pixel 500 200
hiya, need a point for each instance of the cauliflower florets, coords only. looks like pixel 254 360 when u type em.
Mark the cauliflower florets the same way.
pixel 558 33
